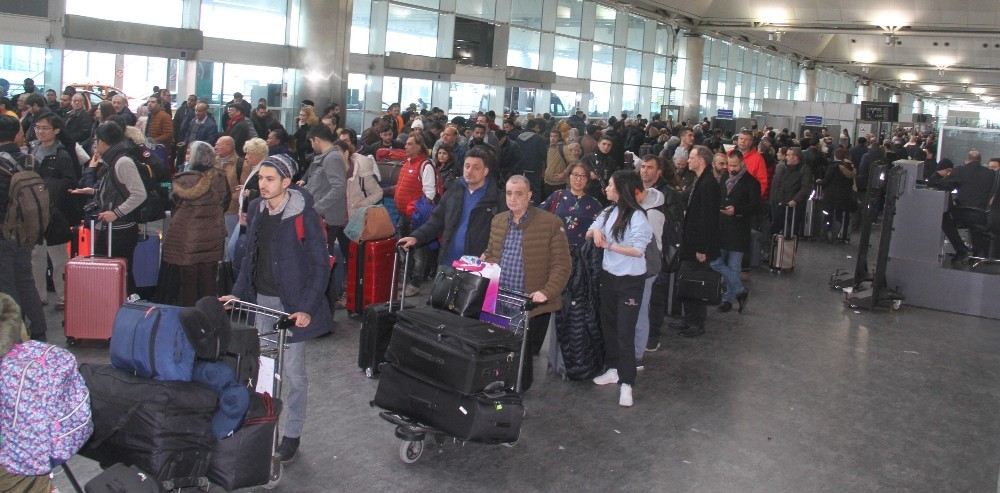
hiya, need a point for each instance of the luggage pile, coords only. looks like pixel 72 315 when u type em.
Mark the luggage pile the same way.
pixel 448 375
pixel 178 401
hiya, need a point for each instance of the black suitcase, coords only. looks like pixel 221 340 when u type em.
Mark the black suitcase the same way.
pixel 242 353
pixel 163 428
pixel 483 417
pixel 459 353
pixel 377 322
pixel 120 478
pixel 244 458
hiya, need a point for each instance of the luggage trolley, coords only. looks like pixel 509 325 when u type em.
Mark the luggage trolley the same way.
pixel 511 314
pixel 272 327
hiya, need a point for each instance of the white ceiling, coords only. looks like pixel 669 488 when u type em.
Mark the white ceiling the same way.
pixel 931 34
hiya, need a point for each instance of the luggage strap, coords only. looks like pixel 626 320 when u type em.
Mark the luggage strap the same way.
pixel 96 441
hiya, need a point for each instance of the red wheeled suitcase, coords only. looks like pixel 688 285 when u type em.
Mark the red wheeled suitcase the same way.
pixel 369 273
pixel 95 289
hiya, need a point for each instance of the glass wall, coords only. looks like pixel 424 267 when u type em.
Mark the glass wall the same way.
pixel 835 87
pixel 164 13
pixel 412 31
pixel 138 73
pixel 20 62
pixel 737 78
pixel 261 21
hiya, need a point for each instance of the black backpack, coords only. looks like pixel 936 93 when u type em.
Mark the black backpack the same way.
pixel 153 174
pixel 28 202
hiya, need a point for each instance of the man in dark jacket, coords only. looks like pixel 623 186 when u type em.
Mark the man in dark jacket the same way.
pixel 651 173
pixel 740 204
pixel 462 218
pixel 37 107
pixel 534 151
pixel 974 183
pixel 15 268
pixel 79 123
pixel 793 182
pixel 278 273
pixel 238 127
pixel 857 153
pixel 700 242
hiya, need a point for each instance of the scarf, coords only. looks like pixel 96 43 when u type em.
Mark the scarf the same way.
pixel 732 179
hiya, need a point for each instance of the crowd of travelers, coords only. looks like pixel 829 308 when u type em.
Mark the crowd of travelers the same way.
pixel 557 202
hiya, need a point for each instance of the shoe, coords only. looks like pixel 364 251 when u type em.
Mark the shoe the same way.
pixel 680 326
pixel 652 347
pixel 694 331
pixel 639 366
pixel 411 290
pixel 608 377
pixel 725 307
pixel 742 299
pixel 625 395
pixel 60 306
pixel 286 451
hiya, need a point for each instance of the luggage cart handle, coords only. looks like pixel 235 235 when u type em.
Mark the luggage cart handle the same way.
pixel 284 323
pixel 406 274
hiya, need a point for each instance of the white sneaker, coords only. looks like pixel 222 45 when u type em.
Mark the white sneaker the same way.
pixel 625 395
pixel 609 377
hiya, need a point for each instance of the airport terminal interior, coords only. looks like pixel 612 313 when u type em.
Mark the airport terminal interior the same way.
pixel 871 365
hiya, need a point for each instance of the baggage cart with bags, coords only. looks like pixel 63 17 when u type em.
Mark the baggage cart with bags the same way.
pixel 249 456
pixel 784 245
pixel 95 288
pixel 450 377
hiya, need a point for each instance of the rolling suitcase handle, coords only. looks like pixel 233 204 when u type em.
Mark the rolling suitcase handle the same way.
pixel 527 307
pixel 406 274
pixel 93 236
pixel 789 228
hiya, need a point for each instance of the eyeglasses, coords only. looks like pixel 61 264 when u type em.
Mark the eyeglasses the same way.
pixel 577 175
pixel 42 127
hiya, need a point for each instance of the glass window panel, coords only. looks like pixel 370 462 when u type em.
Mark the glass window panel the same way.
pixel 659 72
pixel 416 91
pixel 663 40
pixel 412 31
pixel 633 67
pixel 600 68
pixel 523 48
pixel 630 99
pixel 165 13
pixel 527 13
pixel 483 9
pixel 604 25
pixel 431 4
pixel 568 17
pixel 357 84
pixel 361 18
pixel 390 91
pixel 657 99
pixel 723 53
pixel 567 56
pixel 563 103
pixel 217 20
pixel 600 99
pixel 636 31
pixel 467 98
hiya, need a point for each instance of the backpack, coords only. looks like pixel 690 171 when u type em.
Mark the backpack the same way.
pixel 44 408
pixel 28 200
pixel 300 234
pixel 150 170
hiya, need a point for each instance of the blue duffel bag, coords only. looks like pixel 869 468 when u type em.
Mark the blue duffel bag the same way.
pixel 149 341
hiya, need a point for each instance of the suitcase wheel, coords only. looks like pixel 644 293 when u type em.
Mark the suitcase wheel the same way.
pixel 70 341
pixel 272 482
pixel 370 372
pixel 411 450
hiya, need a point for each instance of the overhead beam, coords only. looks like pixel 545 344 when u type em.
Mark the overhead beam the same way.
pixel 837 29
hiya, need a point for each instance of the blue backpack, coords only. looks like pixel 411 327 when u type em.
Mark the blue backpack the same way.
pixel 149 341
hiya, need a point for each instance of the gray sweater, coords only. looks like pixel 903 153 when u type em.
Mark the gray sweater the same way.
pixel 326 181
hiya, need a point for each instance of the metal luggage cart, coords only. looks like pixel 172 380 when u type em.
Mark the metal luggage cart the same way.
pixel 272 328
pixel 511 314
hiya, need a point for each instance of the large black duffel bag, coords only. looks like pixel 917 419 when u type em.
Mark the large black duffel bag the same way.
pixel 244 458
pixel 163 428
pixel 483 417
pixel 459 353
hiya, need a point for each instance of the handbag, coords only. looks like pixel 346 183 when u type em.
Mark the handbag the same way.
pixel 369 223
pixel 459 292
pixel 700 284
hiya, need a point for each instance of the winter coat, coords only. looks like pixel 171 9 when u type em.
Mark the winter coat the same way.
pixel 791 183
pixel 544 254
pixel 701 219
pixel 652 202
pixel 363 187
pixel 326 181
pixel 295 264
pixel 206 132
pixel 838 188
pixel 578 325
pixel 59 176
pixel 232 168
pixel 197 230
pixel 447 217
pixel 78 125
pixel 734 231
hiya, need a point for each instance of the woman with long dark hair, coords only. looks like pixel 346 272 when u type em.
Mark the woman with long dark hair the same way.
pixel 623 231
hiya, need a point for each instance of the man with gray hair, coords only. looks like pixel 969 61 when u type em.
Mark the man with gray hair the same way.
pixel 121 108
pixel 531 247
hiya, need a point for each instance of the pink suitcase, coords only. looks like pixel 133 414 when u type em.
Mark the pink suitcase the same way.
pixel 95 289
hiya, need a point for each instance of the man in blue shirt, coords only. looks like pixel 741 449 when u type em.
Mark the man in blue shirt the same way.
pixel 461 221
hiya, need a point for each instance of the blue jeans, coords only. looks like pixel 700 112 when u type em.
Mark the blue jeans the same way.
pixel 729 264
pixel 293 374
pixel 642 324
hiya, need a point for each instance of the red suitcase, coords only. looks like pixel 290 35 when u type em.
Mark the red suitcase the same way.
pixel 369 273
pixel 95 289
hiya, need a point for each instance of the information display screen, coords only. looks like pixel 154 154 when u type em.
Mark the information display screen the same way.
pixel 874 111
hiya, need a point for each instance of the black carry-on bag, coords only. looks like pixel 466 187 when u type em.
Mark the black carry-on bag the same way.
pixel 377 322
pixel 422 408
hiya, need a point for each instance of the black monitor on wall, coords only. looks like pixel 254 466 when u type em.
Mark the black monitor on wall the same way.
pixel 473 42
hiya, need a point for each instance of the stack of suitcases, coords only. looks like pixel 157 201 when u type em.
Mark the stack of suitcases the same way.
pixel 456 375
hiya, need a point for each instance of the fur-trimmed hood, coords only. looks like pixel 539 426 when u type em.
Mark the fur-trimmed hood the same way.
pixel 12 329
pixel 191 185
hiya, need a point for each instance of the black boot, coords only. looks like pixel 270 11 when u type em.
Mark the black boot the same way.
pixel 287 449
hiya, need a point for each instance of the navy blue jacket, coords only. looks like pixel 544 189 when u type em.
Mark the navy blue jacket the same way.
pixel 300 267
pixel 207 132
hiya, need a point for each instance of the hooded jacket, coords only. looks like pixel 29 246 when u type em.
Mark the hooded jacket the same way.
pixel 362 186
pixel 294 264
pixel 197 229
pixel 652 202
pixel 326 180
